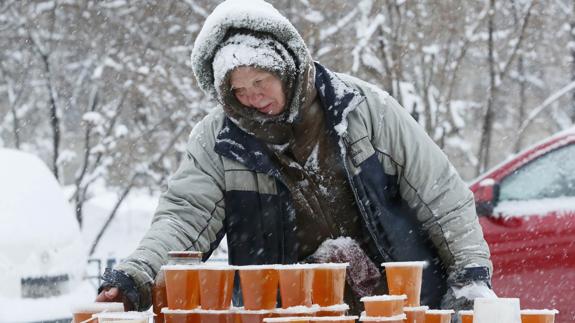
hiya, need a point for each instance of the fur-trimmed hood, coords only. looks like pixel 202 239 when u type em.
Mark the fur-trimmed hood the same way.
pixel 260 17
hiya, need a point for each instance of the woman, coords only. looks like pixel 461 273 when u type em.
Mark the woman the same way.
pixel 298 163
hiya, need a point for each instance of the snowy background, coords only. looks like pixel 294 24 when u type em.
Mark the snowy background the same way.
pixel 104 94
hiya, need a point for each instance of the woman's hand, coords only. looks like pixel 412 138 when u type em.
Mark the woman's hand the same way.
pixel 113 294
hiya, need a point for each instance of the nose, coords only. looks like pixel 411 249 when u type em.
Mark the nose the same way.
pixel 254 97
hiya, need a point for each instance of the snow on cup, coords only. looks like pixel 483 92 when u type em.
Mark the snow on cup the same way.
pixel 180 316
pixel 297 311
pixel 249 316
pixel 465 316
pixel 84 312
pixel 328 283
pixel 216 286
pixel 438 316
pixel 292 319
pixel 489 310
pixel 334 310
pixel 295 283
pixel 259 285
pixel 124 317
pixel 382 319
pixel 384 305
pixel 182 286
pixel 404 278
pixel 538 316
pixel 333 319
pixel 415 314
pixel 215 316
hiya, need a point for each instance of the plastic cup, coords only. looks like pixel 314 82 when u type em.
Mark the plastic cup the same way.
pixel 488 310
pixel 328 284
pixel 384 305
pixel 333 319
pixel 182 286
pixel 215 316
pixel 438 316
pixel 293 319
pixel 334 310
pixel 382 319
pixel 538 316
pixel 404 278
pixel 295 283
pixel 248 316
pixel 83 312
pixel 415 314
pixel 124 317
pixel 259 286
pixel 180 316
pixel 216 286
pixel 297 311
pixel 465 316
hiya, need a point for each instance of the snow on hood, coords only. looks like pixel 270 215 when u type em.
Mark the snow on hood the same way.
pixel 255 15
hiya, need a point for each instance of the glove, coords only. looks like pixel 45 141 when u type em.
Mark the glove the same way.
pixel 465 287
pixel 362 275
pixel 118 286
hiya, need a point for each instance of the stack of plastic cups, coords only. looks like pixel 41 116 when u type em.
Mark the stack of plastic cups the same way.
pixel 383 308
pixel 159 293
pixel 208 291
pixel 259 286
pixel 84 312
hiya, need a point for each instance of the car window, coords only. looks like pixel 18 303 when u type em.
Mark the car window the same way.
pixel 549 176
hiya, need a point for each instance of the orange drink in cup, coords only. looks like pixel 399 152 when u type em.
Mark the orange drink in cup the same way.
pixel 259 285
pixel 333 319
pixel 404 278
pixel 438 316
pixel 83 312
pixel 334 310
pixel 538 316
pixel 216 316
pixel 382 319
pixel 328 284
pixel 182 286
pixel 295 283
pixel 465 316
pixel 292 319
pixel 216 286
pixel 415 314
pixel 180 316
pixel 249 316
pixel 297 311
pixel 384 305
pixel 128 317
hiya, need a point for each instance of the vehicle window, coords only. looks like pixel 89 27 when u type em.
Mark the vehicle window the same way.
pixel 549 176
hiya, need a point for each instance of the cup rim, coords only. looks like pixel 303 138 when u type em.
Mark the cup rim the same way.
pixel 129 315
pixel 415 308
pixel 435 311
pixel 422 264
pixel 334 318
pixel 376 298
pixel 365 318
pixel 539 312
pixel 98 306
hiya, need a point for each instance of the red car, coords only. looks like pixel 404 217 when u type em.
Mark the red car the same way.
pixel 526 207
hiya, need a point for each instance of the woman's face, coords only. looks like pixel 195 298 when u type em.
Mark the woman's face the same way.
pixel 258 89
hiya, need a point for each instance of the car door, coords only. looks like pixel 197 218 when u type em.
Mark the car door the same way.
pixel 531 233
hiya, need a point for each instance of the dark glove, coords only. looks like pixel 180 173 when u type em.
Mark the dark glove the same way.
pixel 464 287
pixel 128 291
pixel 362 275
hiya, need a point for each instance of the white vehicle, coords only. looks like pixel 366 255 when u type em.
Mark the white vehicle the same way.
pixel 42 254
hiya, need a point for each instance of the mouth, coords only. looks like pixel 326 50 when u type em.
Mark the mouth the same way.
pixel 266 108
